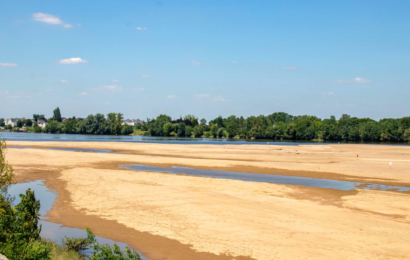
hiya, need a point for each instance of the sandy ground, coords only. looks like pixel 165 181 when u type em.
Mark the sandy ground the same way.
pixel 183 217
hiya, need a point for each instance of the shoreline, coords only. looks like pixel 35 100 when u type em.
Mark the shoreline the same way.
pixel 185 217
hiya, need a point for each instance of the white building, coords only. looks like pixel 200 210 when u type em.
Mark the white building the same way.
pixel 41 123
pixel 131 122
pixel 11 121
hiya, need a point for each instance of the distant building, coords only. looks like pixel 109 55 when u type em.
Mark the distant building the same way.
pixel 131 122
pixel 41 123
pixel 11 121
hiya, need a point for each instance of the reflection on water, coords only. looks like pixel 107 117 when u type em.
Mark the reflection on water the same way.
pixel 278 179
pixel 53 231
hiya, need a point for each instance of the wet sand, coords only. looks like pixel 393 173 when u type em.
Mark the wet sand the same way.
pixel 184 217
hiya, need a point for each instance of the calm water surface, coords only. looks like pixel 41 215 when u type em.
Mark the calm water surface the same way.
pixel 278 179
pixel 10 136
pixel 53 231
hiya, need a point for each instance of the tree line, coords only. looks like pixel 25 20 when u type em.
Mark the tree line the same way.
pixel 283 126
pixel 276 126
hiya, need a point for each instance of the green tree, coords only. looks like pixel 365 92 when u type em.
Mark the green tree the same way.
pixel 2 124
pixel 28 123
pixel 19 123
pixel 8 127
pixel 52 127
pixel 181 129
pixel 35 117
pixel 188 131
pixel 57 115
pixel 198 131
pixel 203 122
pixel 168 128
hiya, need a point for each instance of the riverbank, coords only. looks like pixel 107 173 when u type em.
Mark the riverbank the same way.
pixel 184 217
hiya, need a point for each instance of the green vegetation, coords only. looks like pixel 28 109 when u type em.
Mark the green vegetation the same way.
pixel 282 126
pixel 138 132
pixel 20 232
pixel 276 126
pixel 2 123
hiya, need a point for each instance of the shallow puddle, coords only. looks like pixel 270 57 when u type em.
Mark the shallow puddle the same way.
pixel 53 231
pixel 278 179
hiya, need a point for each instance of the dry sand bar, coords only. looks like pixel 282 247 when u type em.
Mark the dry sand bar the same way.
pixel 187 217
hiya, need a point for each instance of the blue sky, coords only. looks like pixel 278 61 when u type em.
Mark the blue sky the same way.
pixel 207 58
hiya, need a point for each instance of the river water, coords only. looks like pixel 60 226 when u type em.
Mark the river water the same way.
pixel 10 136
pixel 53 231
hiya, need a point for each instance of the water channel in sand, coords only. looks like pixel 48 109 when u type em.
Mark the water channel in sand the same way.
pixel 49 230
pixel 278 179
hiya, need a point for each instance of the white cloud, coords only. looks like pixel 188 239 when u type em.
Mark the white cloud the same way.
pixel 19 94
pixel 46 18
pixel 145 75
pixel 330 93
pixel 8 64
pixel 355 80
pixel 107 103
pixel 195 62
pixel 290 67
pixel 112 88
pixel 83 94
pixel 115 80
pixel 202 96
pixel 79 24
pixel 68 25
pixel 72 61
pixel 171 96
pixel 64 81
pixel 4 92
pixel 219 99
pixel 139 28
pixel 234 62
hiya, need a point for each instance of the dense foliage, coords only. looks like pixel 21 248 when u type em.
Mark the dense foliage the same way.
pixel 93 124
pixel 282 126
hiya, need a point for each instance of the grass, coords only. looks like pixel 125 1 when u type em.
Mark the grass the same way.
pixel 61 253
pixel 138 132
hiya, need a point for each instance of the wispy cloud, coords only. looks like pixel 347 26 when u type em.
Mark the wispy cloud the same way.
pixel 46 18
pixel 171 96
pixel 112 88
pixel 355 80
pixel 19 94
pixel 146 75
pixel 290 67
pixel 195 62
pixel 115 80
pixel 329 93
pixel 8 64
pixel 50 19
pixel 139 28
pixel 72 61
pixel 4 92
pixel 217 98
pixel 83 94
pixel 64 81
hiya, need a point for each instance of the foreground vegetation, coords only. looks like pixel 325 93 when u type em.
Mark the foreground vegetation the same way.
pixel 20 231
